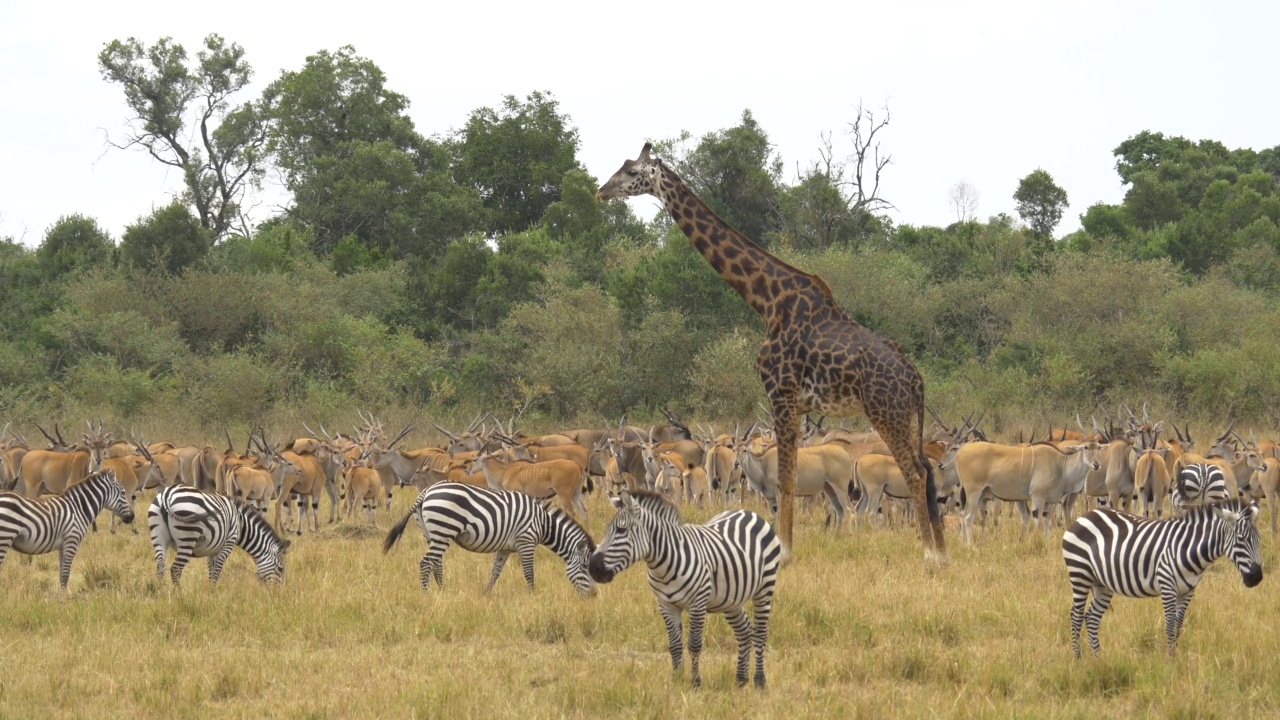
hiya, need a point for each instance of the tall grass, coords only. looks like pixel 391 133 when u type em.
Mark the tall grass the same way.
pixel 860 629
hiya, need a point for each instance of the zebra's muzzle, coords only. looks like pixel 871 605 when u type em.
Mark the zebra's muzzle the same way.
pixel 1253 577
pixel 127 516
pixel 596 568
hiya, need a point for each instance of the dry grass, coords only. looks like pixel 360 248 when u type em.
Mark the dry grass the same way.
pixel 860 630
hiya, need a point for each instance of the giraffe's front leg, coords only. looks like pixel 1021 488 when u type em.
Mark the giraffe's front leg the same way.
pixel 786 419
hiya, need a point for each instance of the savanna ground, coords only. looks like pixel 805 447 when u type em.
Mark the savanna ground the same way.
pixel 860 629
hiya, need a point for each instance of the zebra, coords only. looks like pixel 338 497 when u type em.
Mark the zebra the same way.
pixel 717 567
pixel 203 524
pixel 494 521
pixel 1109 552
pixel 35 527
pixel 1199 484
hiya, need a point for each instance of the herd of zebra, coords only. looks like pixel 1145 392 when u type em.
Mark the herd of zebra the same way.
pixel 722 566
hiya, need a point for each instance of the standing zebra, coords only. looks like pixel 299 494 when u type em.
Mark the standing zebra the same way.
pixel 717 567
pixel 1108 552
pixel 201 524
pixel 35 527
pixel 494 521
pixel 1199 484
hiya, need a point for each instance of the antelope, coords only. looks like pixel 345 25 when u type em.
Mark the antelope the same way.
pixel 820 469
pixel 536 479
pixel 52 471
pixel 1041 475
pixel 361 482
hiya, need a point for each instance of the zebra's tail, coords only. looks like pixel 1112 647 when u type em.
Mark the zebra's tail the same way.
pixel 393 536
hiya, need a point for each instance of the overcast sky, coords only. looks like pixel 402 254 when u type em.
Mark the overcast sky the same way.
pixel 983 92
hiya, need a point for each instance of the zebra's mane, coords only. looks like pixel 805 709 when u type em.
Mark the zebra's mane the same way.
pixel 253 517
pixel 658 505
pixel 93 476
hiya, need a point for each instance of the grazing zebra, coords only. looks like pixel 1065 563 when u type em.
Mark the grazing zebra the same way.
pixel 35 527
pixel 1108 552
pixel 717 567
pixel 494 521
pixel 202 524
pixel 1199 484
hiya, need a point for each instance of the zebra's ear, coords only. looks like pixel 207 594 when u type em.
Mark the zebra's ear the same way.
pixel 616 501
pixel 284 546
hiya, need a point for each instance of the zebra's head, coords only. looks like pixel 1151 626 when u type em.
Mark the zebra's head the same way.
pixel 1241 522
pixel 569 540
pixel 271 564
pixel 577 568
pixel 268 547
pixel 626 540
pixel 114 498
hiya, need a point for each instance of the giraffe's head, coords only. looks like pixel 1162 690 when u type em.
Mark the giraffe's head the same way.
pixel 635 177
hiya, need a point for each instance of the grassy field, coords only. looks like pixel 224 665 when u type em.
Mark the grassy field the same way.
pixel 860 629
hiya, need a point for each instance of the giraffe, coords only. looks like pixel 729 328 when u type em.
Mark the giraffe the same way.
pixel 815 357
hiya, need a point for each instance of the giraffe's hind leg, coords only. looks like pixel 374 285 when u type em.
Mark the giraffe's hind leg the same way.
pixel 905 447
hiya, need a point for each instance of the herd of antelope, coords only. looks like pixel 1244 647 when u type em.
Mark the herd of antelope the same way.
pixel 1126 465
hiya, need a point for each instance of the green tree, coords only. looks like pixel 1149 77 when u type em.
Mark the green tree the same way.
pixel 173 103
pixel 1041 202
pixel 26 295
pixel 170 239
pixel 516 157
pixel 736 173
pixel 356 165
pixel 74 242
pixel 584 227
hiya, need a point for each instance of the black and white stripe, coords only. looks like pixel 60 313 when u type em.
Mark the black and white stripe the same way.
pixel 1108 552
pixel 494 521
pixel 35 527
pixel 718 567
pixel 1197 485
pixel 201 524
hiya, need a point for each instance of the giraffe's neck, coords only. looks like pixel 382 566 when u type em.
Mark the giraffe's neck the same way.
pixel 757 276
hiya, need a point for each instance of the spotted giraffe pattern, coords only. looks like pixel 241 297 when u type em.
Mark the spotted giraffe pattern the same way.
pixel 815 357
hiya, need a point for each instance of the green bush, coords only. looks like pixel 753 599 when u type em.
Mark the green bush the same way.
pixel 99 381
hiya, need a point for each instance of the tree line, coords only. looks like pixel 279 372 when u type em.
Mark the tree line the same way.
pixel 476 269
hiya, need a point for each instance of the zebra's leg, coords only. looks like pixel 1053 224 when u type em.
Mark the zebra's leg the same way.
pixel 216 562
pixel 69 548
pixel 1093 620
pixel 183 556
pixel 697 623
pixel 499 562
pixel 6 542
pixel 1173 626
pixel 675 633
pixel 1079 599
pixel 160 539
pixel 741 625
pixel 525 550
pixel 434 559
pixel 761 609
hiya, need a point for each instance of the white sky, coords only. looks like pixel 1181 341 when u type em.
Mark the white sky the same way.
pixel 984 92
